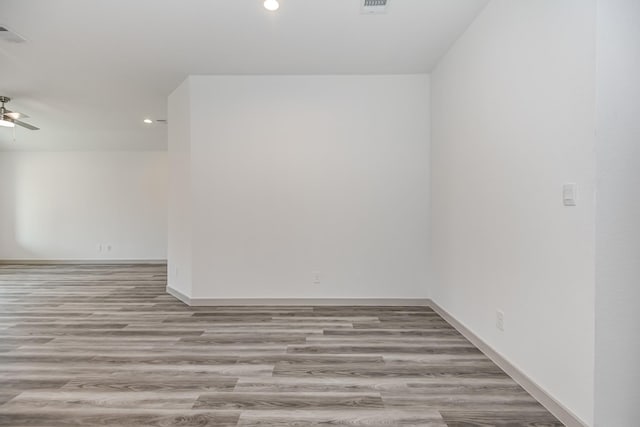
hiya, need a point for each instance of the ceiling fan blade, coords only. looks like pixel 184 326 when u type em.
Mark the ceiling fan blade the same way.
pixel 15 115
pixel 25 125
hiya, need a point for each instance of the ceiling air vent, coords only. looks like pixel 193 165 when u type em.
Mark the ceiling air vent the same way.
pixel 374 6
pixel 8 35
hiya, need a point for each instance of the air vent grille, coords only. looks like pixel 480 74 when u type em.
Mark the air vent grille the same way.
pixel 374 6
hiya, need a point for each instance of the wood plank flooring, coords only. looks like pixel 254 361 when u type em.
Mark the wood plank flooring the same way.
pixel 92 345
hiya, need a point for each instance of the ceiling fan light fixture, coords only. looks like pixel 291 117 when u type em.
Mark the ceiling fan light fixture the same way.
pixel 271 5
pixel 7 123
pixel 9 119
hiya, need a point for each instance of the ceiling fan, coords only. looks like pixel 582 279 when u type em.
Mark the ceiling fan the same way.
pixel 10 118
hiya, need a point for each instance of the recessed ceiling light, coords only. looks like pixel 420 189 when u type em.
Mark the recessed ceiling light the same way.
pixel 148 121
pixel 271 5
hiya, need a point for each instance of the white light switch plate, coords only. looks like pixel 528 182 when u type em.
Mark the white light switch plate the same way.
pixel 570 194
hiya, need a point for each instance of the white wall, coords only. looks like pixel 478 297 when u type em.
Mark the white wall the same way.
pixel 513 105
pixel 617 400
pixel 293 175
pixel 63 205
pixel 180 194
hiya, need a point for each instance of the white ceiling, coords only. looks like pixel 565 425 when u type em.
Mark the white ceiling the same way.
pixel 91 70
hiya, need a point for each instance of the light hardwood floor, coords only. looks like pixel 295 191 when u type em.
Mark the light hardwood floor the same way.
pixel 105 345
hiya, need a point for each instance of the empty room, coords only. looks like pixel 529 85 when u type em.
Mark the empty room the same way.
pixel 320 212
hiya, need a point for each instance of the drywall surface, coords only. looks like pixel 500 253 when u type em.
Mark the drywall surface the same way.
pixel 83 205
pixel 309 186
pixel 513 105
pixel 617 398
pixel 179 230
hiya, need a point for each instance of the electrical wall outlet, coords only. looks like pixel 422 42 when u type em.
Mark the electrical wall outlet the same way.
pixel 104 247
pixel 500 320
pixel 316 277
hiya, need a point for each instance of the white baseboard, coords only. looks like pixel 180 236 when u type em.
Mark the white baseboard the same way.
pixel 82 261
pixel 176 293
pixel 568 418
pixel 203 302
